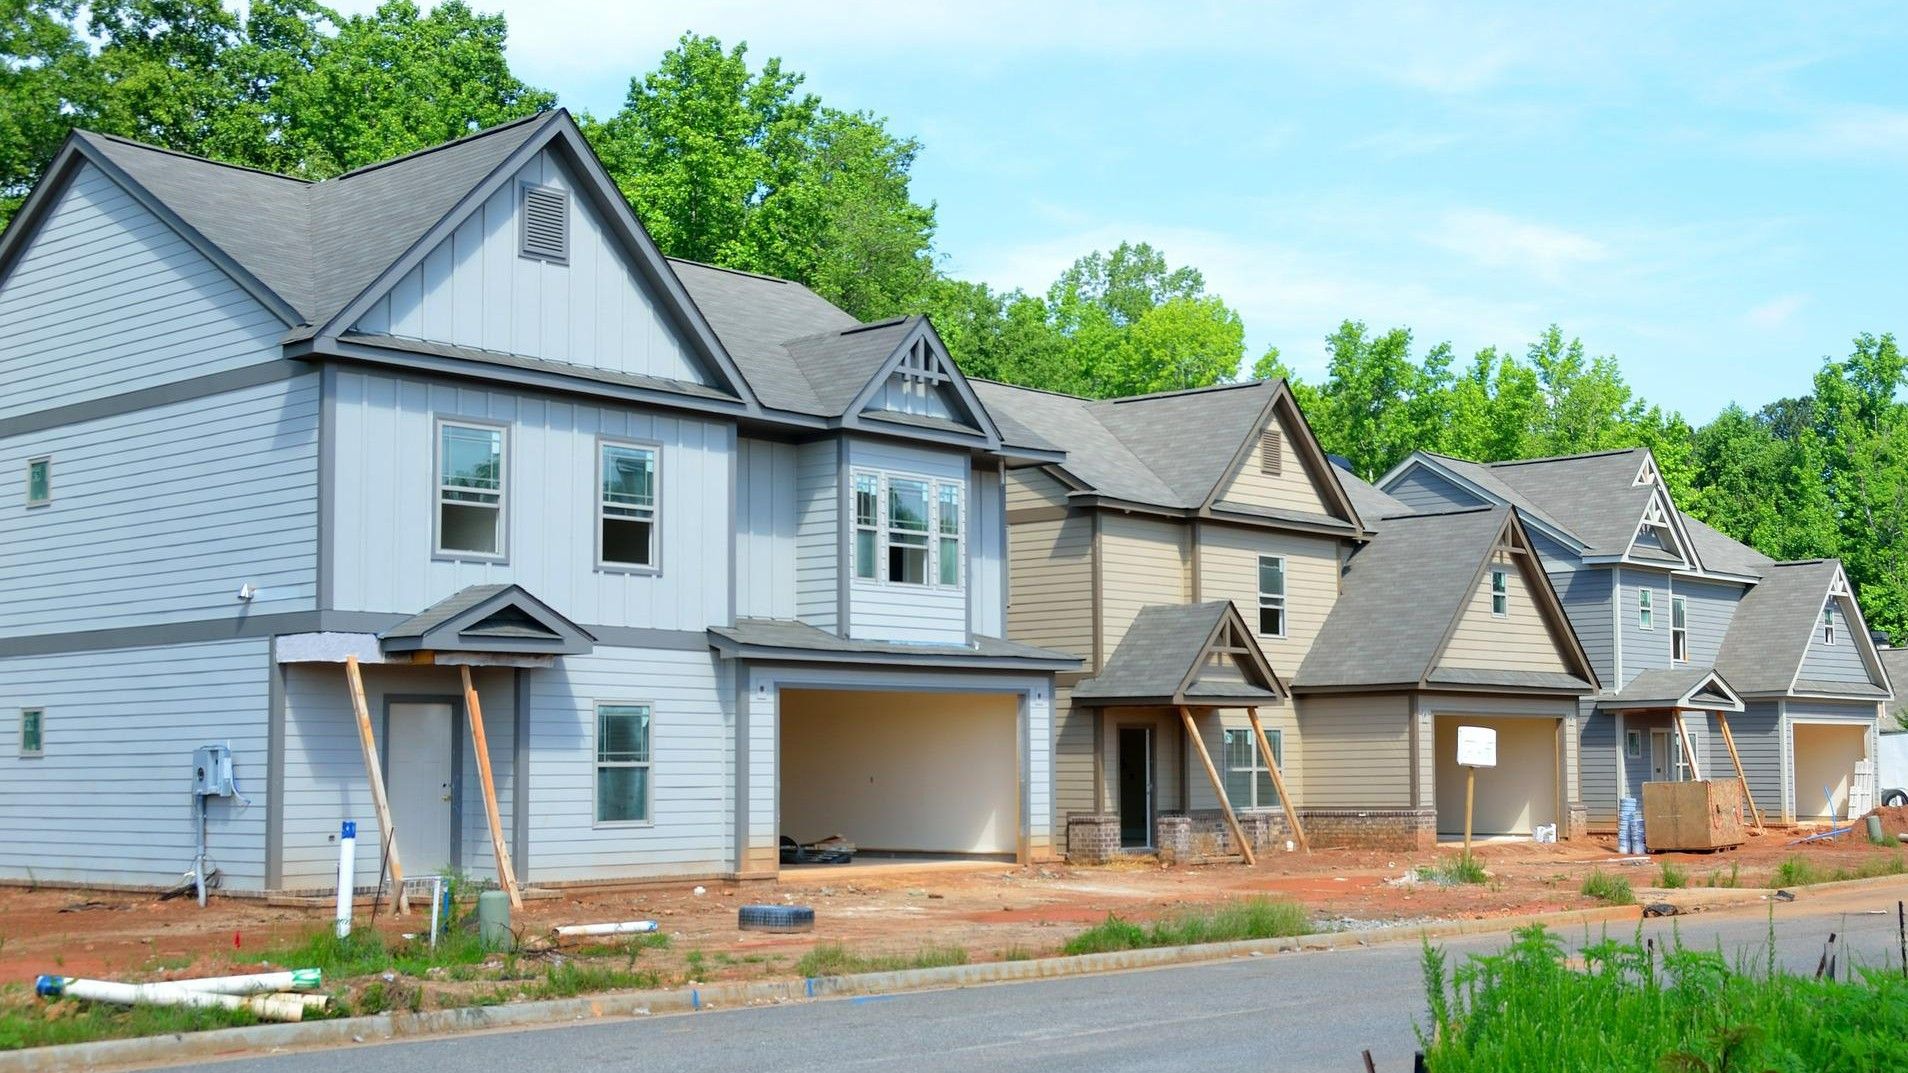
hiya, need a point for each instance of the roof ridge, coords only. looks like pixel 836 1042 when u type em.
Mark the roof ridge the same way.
pixel 888 323
pixel 736 271
pixel 194 157
pixel 1031 389
pixel 1559 458
pixel 1151 395
pixel 429 149
pixel 1486 508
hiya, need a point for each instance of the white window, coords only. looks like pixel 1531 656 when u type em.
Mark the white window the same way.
pixel 622 763
pixel 1828 624
pixel 33 732
pixel 1646 609
pixel 1500 593
pixel 1248 782
pixel 626 508
pixel 39 483
pixel 470 489
pixel 1679 629
pixel 1633 744
pixel 908 530
pixel 1272 595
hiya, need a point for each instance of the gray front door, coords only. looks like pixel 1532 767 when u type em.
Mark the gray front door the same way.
pixel 1136 787
pixel 421 741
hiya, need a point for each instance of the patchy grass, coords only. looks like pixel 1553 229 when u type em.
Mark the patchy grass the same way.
pixel 1670 877
pixel 1252 918
pixel 1634 1008
pixel 571 979
pixel 27 1020
pixel 364 952
pixel 1613 889
pixel 1453 871
pixel 1799 871
pixel 834 959
pixel 1733 879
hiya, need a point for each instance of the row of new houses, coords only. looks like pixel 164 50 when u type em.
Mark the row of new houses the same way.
pixel 727 565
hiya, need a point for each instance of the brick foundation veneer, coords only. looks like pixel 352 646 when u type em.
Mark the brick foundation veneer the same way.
pixel 1576 823
pixel 1092 838
pixel 1405 829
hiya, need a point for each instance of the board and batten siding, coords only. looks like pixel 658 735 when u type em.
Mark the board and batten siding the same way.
pixel 1711 607
pixel 1356 750
pixel 161 515
pixel 819 504
pixel 1291 488
pixel 1518 640
pixel 109 801
pixel 986 555
pixel 324 777
pixel 1586 599
pixel 883 611
pixel 1838 662
pixel 476 289
pixel 765 498
pixel 1144 561
pixel 384 509
pixel 1428 493
pixel 107 298
pixel 1229 569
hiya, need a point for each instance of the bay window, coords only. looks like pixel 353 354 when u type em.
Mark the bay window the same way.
pixel 907 530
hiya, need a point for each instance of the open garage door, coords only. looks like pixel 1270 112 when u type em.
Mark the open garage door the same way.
pixel 908 773
pixel 1826 760
pixel 1513 798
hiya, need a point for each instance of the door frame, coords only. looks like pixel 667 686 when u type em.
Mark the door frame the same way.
pixel 457 759
pixel 1151 732
pixel 1666 736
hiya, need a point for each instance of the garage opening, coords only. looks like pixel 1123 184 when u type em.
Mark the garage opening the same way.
pixel 902 774
pixel 1513 798
pixel 1826 760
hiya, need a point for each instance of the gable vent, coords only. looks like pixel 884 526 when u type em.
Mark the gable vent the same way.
pixel 546 223
pixel 1271 452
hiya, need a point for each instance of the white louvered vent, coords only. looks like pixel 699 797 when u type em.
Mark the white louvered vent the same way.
pixel 1271 452
pixel 546 223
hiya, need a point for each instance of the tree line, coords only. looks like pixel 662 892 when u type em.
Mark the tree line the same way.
pixel 737 164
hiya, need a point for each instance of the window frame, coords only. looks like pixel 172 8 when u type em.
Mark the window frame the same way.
pixel 597 764
pixel 872 526
pixel 1828 623
pixel 47 499
pixel 1270 601
pixel 1646 607
pixel 883 528
pixel 438 487
pixel 1500 592
pixel 1679 635
pixel 39 731
pixel 1276 738
pixel 600 515
pixel 1632 743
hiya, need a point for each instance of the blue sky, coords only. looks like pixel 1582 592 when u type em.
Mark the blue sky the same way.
pixel 1713 193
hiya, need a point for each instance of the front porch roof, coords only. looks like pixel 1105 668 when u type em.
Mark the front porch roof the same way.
pixel 790 641
pixel 489 618
pixel 1190 655
pixel 1683 688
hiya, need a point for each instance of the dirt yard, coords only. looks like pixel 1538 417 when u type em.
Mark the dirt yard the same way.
pixel 988 911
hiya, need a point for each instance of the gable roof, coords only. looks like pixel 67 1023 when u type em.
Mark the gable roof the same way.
pixel 786 639
pixel 1593 495
pixel 489 618
pixel 1197 655
pixel 1373 503
pixel 1676 687
pixel 1403 595
pixel 1173 449
pixel 755 317
pixel 1894 663
pixel 1722 553
pixel 1774 623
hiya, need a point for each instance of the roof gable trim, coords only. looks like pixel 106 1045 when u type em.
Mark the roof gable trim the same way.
pixel 1317 465
pixel 1512 538
pixel 1434 464
pixel 923 344
pixel 506 620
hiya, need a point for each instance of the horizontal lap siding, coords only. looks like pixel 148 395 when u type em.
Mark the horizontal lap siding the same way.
pixel 1356 750
pixel 1072 760
pixel 385 504
pixel 1033 488
pixel 1426 492
pixel 1291 488
pixel 1710 608
pixel 1838 662
pixel 1229 568
pixel 1212 730
pixel 108 299
pixel 161 515
pixel 1759 741
pixel 110 800
pixel 1586 599
pixel 1597 747
pixel 1145 562
pixel 1642 650
pixel 818 543
pixel 765 530
pixel 888 612
pixel 1519 640
pixel 1050 579
pixel 692 804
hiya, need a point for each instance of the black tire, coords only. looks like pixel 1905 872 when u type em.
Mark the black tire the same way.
pixel 1894 797
pixel 776 918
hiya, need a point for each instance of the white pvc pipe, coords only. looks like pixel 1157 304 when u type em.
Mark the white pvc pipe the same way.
pixel 257 983
pixel 627 927
pixel 347 874
pixel 267 1007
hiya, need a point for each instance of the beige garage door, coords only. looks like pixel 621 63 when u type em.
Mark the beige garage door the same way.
pixel 1825 758
pixel 906 772
pixel 1514 797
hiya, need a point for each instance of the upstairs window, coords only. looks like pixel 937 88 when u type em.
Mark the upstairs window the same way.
pixel 1679 629
pixel 947 526
pixel 1500 593
pixel 1248 781
pixel 39 485
pixel 33 732
pixel 1828 624
pixel 1272 595
pixel 867 523
pixel 626 509
pixel 907 530
pixel 545 234
pixel 1646 609
pixel 622 763
pixel 470 490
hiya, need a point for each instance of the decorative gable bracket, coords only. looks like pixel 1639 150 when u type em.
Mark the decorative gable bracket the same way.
pixel 489 618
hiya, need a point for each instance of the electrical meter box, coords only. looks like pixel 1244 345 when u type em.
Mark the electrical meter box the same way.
pixel 212 771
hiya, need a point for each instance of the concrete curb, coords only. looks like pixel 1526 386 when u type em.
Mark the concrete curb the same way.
pixel 232 1042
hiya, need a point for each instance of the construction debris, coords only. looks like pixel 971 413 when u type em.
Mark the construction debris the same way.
pixel 265 994
pixel 626 927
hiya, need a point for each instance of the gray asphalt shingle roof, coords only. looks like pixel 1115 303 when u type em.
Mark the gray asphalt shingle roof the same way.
pixel 1894 663
pixel 1591 495
pixel 1769 635
pixel 799 637
pixel 755 317
pixel 1721 552
pixel 1164 645
pixel 1372 503
pixel 1662 687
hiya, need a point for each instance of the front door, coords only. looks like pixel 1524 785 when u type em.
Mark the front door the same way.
pixel 1660 756
pixel 420 776
pixel 1136 787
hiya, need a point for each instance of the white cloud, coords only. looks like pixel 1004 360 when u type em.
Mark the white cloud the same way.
pixel 1776 312
pixel 1494 240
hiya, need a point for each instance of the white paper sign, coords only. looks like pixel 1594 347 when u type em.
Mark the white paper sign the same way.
pixel 1477 747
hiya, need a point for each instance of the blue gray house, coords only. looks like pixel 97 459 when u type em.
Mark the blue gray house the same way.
pixel 1691 633
pixel 725 563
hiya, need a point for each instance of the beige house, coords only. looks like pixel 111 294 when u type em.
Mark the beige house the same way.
pixel 1220 498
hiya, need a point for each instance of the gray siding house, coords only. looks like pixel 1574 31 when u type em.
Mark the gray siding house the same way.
pixel 724 564
pixel 1690 632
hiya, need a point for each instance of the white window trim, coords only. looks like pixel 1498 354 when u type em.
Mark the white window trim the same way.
pixel 1276 737
pixel 1633 744
pixel 1828 624
pixel 1679 632
pixel 1267 600
pixel 654 566
pixel 1500 592
pixel 856 528
pixel 597 764
pixel 438 488
pixel 881 529
pixel 48 498
pixel 25 752
pixel 1646 608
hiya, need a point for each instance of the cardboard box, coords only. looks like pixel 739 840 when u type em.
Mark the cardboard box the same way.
pixel 1692 815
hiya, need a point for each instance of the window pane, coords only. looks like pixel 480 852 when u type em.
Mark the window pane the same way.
pixel 622 733
pixel 1500 583
pixel 629 477
pixel 1271 576
pixel 622 794
pixel 39 481
pixel 907 563
pixel 908 505
pixel 1272 620
pixel 1238 749
pixel 867 500
pixel 950 513
pixel 1679 612
pixel 864 553
pixel 627 541
pixel 950 566
pixel 30 741
pixel 1267 796
pixel 472 458
pixel 470 527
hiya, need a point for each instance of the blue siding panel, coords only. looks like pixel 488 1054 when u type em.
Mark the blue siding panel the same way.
pixel 987 559
pixel 1586 598
pixel 1597 747
pixel 818 540
pixel 1838 662
pixel 1711 607
pixel 886 612
pixel 765 530
pixel 1641 650
pixel 1424 491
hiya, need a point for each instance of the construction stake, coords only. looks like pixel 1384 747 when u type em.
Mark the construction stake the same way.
pixel 475 712
pixel 375 771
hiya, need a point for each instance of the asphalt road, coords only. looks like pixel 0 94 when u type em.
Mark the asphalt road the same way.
pixel 1304 1011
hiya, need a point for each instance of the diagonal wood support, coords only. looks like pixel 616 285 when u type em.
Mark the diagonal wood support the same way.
pixel 1689 747
pixel 1218 786
pixel 506 875
pixel 1742 777
pixel 1278 781
pixel 374 772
